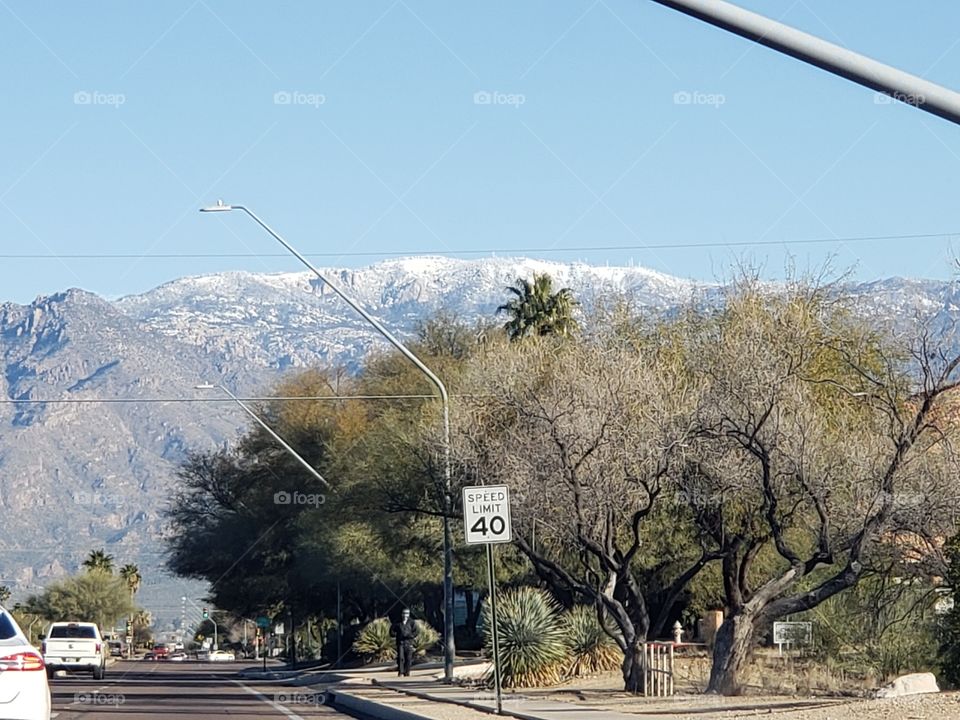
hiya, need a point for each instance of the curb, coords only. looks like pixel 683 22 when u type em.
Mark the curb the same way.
pixel 370 708
pixel 505 712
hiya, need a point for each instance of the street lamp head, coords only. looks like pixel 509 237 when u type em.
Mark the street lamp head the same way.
pixel 219 207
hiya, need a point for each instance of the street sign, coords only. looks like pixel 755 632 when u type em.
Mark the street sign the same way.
pixel 792 633
pixel 486 514
pixel 263 622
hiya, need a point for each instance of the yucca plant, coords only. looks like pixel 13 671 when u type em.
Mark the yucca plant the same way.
pixel 426 638
pixel 375 644
pixel 533 648
pixel 591 649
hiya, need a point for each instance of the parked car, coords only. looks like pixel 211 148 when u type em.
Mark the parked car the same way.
pixel 221 656
pixel 24 687
pixel 74 646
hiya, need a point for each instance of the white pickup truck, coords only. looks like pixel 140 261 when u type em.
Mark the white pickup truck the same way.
pixel 74 646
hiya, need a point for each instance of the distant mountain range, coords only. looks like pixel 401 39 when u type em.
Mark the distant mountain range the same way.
pixel 80 475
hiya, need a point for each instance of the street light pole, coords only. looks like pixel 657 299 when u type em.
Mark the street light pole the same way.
pixel 449 649
pixel 269 429
pixel 891 81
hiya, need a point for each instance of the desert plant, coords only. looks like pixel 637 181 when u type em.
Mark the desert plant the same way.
pixel 376 644
pixel 533 647
pixel 426 638
pixel 592 650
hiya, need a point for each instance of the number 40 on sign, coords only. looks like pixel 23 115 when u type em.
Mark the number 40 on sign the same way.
pixel 486 514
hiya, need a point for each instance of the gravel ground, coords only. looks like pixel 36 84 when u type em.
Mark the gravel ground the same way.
pixel 940 706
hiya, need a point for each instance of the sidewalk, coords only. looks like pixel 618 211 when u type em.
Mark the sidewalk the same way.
pixel 424 685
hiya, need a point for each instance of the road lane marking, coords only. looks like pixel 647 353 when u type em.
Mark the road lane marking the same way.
pixel 276 706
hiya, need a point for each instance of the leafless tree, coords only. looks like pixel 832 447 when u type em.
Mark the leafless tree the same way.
pixel 585 433
pixel 818 445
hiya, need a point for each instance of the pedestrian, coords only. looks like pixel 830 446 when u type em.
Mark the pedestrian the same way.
pixel 405 632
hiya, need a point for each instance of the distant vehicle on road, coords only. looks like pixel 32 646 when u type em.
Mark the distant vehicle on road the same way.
pixel 178 657
pixel 221 656
pixel 24 688
pixel 118 648
pixel 74 646
pixel 159 652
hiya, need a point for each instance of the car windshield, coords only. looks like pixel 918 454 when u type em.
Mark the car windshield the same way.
pixel 7 628
pixel 73 631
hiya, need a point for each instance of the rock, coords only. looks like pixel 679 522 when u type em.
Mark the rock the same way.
pixel 914 684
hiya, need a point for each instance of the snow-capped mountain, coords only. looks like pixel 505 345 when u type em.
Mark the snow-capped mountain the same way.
pixel 76 476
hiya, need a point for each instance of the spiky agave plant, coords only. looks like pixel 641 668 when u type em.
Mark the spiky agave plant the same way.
pixel 591 649
pixel 374 643
pixel 426 638
pixel 533 648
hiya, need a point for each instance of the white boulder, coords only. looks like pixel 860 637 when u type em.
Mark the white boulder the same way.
pixel 913 684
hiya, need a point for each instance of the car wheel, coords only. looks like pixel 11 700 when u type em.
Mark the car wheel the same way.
pixel 99 672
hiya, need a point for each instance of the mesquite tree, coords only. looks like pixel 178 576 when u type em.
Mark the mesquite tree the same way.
pixel 585 432
pixel 817 447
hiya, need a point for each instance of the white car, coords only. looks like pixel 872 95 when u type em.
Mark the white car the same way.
pixel 24 690
pixel 221 656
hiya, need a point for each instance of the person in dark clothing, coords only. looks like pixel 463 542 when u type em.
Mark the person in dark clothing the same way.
pixel 405 632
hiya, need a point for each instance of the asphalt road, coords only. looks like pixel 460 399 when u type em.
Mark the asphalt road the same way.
pixel 144 690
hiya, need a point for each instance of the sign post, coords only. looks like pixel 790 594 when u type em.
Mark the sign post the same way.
pixel 486 521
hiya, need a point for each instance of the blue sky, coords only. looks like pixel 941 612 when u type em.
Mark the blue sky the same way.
pixel 365 128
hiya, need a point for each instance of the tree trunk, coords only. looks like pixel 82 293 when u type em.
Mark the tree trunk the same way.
pixel 632 667
pixel 731 650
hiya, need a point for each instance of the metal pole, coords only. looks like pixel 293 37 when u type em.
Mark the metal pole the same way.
pixel 828 56
pixel 276 437
pixel 339 628
pixel 449 649
pixel 494 633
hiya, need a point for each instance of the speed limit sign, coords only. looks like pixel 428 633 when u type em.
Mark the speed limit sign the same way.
pixel 486 514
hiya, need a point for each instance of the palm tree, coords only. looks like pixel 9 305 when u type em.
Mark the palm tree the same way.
pixel 536 309
pixel 99 560
pixel 131 575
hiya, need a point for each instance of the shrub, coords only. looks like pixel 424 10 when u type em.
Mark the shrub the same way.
pixel 427 637
pixel 533 647
pixel 591 649
pixel 375 644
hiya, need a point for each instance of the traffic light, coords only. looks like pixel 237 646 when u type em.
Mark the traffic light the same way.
pixel 129 628
pixel 206 615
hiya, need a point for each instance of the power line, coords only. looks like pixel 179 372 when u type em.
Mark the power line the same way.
pixel 476 251
pixel 87 401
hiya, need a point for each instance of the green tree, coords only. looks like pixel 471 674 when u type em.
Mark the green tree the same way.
pixel 4 594
pixel 93 596
pixel 950 627
pixel 99 560
pixel 536 309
